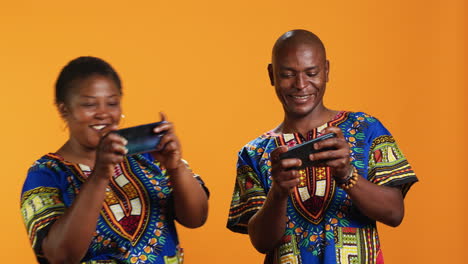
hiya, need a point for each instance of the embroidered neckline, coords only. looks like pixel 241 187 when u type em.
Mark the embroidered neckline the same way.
pixel 341 115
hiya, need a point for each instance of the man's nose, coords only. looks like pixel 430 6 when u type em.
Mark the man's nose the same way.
pixel 301 81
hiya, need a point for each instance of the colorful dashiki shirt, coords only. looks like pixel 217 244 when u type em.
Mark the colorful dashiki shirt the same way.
pixel 136 223
pixel 323 225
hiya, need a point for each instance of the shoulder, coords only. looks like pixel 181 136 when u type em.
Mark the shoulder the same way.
pixel 259 145
pixel 46 162
pixel 361 122
pixel 44 172
pixel 361 117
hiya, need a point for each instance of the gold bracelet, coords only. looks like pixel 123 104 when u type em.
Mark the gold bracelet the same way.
pixel 351 180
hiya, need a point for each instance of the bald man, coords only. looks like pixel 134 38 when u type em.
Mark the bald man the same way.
pixel 324 213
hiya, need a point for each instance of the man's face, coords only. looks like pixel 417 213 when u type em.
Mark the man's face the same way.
pixel 299 73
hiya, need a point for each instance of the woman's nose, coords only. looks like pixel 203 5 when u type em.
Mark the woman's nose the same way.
pixel 102 112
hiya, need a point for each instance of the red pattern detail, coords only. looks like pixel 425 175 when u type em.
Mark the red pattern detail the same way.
pixel 135 224
pixel 314 204
pixel 286 239
pixel 380 259
pixel 41 224
pixel 392 174
pixel 130 223
pixel 245 205
pixel 248 183
pixel 130 226
pixel 349 230
pixel 378 155
pixel 313 208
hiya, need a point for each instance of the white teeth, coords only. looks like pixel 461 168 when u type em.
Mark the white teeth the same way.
pixel 99 127
pixel 301 97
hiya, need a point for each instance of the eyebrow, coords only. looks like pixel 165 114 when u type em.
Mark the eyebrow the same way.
pixel 292 69
pixel 90 96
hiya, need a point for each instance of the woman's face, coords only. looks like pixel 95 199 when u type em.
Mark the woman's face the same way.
pixel 92 107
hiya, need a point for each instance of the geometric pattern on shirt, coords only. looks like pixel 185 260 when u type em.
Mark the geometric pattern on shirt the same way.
pixel 122 209
pixel 314 240
pixel 247 185
pixel 40 207
pixel 288 251
pixel 387 164
pixel 156 241
pixel 356 245
pixel 312 196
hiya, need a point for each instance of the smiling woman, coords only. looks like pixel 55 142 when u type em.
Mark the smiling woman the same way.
pixel 90 202
pixel 88 94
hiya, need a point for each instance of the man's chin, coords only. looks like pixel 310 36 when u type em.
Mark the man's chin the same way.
pixel 299 112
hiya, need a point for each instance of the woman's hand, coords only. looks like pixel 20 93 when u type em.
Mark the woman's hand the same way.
pixel 168 151
pixel 111 151
pixel 190 200
pixel 338 158
pixel 70 236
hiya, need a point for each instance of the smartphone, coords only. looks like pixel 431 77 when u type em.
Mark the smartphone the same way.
pixel 141 139
pixel 302 151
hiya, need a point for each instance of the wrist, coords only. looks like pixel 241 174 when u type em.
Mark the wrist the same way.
pixel 346 176
pixel 99 177
pixel 102 172
pixel 350 180
pixel 278 193
pixel 176 168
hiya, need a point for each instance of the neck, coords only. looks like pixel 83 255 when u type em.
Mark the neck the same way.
pixel 304 124
pixel 73 152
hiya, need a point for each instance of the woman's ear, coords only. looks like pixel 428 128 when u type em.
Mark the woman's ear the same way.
pixel 63 110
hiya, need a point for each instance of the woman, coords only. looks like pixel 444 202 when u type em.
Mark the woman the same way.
pixel 89 202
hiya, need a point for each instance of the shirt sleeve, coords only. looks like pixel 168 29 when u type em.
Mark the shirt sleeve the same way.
pixel 197 177
pixel 249 194
pixel 41 205
pixel 387 164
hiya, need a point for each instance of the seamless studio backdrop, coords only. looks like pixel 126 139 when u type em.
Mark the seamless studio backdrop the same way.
pixel 204 64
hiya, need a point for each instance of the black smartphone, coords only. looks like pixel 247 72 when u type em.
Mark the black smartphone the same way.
pixel 141 139
pixel 302 151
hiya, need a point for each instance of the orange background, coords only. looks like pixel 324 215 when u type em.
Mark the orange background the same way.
pixel 204 64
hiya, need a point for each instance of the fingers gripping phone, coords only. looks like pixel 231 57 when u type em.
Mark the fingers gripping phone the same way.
pixel 302 152
pixel 141 139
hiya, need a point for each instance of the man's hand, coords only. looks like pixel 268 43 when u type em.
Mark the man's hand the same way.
pixel 284 180
pixel 338 158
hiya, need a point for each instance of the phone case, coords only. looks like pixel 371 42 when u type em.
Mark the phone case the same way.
pixel 302 151
pixel 141 139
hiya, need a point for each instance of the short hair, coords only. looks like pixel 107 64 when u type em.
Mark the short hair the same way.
pixel 296 37
pixel 81 68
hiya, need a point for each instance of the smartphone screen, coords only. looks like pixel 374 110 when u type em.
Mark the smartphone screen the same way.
pixel 141 139
pixel 302 151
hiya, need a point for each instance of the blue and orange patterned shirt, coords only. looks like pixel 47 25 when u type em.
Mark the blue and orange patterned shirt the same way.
pixel 136 223
pixel 323 225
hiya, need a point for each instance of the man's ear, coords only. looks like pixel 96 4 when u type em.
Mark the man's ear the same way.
pixel 63 110
pixel 271 74
pixel 327 68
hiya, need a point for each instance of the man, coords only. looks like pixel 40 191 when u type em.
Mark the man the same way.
pixel 326 213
